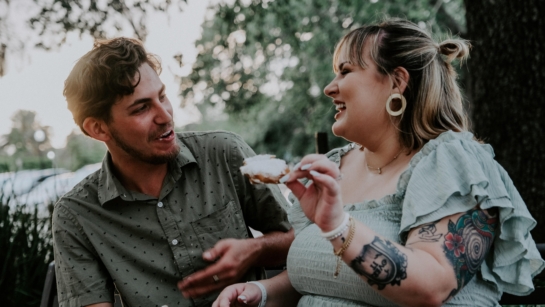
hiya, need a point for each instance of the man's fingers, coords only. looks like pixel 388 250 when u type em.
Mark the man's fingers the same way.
pixel 193 288
pixel 217 251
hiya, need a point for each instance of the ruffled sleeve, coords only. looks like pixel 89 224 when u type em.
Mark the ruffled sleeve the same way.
pixel 453 174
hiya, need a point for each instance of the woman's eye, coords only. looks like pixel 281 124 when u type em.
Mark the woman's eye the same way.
pixel 344 71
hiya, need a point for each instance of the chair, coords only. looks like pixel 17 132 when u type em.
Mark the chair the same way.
pixel 536 297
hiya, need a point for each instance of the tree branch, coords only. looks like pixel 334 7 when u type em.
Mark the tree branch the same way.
pixel 447 19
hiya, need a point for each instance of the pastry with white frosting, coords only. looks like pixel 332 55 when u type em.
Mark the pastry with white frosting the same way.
pixel 264 169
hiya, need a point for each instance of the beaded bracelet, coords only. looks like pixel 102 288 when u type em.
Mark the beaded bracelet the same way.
pixel 263 292
pixel 338 231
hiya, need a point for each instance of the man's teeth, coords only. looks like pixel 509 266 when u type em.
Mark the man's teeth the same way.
pixel 340 106
pixel 165 134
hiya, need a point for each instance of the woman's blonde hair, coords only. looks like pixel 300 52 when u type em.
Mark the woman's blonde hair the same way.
pixel 434 101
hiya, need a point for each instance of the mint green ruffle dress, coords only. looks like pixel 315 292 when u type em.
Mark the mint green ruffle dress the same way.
pixel 451 174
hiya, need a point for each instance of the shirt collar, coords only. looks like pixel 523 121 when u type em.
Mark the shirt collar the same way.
pixel 109 186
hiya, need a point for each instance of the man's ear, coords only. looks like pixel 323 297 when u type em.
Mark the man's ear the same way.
pixel 97 129
pixel 401 79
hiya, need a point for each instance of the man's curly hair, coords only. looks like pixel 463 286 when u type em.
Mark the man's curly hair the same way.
pixel 104 75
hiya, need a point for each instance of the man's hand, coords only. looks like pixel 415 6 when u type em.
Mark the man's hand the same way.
pixel 232 258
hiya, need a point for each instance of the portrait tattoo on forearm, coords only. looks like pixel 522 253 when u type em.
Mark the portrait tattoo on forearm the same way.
pixel 467 243
pixel 382 263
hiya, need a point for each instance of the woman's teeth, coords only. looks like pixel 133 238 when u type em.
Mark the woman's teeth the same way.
pixel 340 106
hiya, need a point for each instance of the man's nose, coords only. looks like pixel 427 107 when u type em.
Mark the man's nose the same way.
pixel 164 112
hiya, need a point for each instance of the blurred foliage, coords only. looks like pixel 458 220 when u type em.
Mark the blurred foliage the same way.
pixel 262 64
pixel 26 244
pixel 48 22
pixel 26 145
pixel 80 150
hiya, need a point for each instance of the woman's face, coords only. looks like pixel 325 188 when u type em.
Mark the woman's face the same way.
pixel 360 95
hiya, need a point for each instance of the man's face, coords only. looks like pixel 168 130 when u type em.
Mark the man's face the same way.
pixel 141 126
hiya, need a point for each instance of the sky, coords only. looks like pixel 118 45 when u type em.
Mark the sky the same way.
pixel 34 81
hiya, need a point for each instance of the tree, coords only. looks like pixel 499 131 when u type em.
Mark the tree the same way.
pixel 80 150
pixel 46 23
pixel 28 140
pixel 505 88
pixel 262 64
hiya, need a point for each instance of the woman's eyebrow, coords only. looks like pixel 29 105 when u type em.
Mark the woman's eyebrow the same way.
pixel 341 65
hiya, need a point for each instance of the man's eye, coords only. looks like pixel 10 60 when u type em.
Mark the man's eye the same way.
pixel 142 108
pixel 162 97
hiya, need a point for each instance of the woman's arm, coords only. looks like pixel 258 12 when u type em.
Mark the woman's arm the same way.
pixel 279 290
pixel 437 261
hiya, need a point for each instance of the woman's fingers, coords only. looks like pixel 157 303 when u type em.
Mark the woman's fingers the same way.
pixel 297 188
pixel 245 294
pixel 330 184
pixel 314 162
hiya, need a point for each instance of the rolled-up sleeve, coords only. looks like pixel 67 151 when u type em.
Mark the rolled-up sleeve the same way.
pixel 81 277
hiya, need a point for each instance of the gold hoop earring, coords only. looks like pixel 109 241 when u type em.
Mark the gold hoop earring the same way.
pixel 403 104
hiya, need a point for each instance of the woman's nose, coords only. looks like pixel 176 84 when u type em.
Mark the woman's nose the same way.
pixel 331 89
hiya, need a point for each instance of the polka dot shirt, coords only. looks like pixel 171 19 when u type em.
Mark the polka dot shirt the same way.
pixel 106 236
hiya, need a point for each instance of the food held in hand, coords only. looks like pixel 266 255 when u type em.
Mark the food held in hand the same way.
pixel 264 169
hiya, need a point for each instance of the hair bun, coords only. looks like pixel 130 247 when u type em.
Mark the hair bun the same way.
pixel 454 49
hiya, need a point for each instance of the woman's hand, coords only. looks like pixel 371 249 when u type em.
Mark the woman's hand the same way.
pixel 321 199
pixel 243 295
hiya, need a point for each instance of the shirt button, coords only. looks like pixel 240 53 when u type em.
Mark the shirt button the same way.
pixel 160 204
pixel 174 242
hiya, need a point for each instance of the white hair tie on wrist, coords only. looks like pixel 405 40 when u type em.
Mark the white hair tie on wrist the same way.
pixel 263 292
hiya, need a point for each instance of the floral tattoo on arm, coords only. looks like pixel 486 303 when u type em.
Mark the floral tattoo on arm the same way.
pixel 467 243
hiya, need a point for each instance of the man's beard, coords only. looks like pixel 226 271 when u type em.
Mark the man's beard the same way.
pixel 142 156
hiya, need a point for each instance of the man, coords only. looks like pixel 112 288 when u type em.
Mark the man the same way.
pixel 167 212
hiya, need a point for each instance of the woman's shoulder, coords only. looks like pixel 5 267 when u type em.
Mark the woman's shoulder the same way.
pixel 336 154
pixel 450 174
pixel 455 147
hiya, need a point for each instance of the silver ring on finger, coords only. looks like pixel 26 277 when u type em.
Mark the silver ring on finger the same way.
pixel 216 278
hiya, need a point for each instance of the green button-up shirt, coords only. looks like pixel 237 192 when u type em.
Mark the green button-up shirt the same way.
pixel 106 236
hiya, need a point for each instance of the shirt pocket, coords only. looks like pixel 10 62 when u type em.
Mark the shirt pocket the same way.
pixel 227 222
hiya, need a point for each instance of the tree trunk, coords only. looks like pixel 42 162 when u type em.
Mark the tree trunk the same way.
pixel 506 91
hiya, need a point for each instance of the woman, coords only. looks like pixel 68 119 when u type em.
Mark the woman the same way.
pixel 415 212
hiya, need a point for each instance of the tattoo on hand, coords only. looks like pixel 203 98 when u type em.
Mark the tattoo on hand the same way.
pixel 468 242
pixel 382 263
